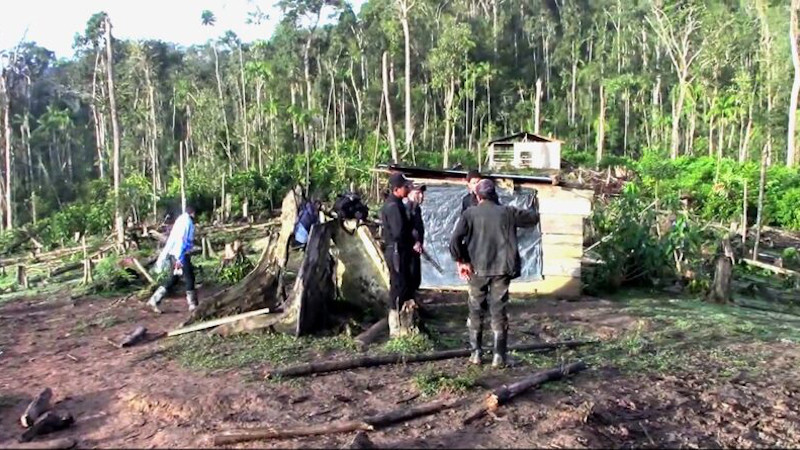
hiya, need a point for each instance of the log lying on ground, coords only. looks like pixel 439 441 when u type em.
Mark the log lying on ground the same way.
pixel 47 423
pixel 372 334
pixel 374 361
pixel 37 407
pixel 366 424
pixel 134 337
pixel 503 394
pixel 770 267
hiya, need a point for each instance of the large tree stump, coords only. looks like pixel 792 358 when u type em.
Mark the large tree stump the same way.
pixel 262 287
pixel 723 269
pixel 362 275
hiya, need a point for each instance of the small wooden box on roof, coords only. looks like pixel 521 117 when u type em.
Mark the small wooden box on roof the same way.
pixel 563 210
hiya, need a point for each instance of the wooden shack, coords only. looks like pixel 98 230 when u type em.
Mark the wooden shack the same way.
pixel 563 210
pixel 524 150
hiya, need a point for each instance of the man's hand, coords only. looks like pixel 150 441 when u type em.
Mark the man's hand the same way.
pixel 465 271
pixel 418 247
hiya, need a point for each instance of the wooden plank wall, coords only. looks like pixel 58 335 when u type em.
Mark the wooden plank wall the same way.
pixel 562 214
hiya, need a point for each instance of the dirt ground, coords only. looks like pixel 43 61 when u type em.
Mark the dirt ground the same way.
pixel 743 393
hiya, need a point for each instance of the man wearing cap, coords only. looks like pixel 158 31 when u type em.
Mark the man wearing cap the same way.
pixel 415 198
pixel 484 246
pixel 399 242
pixel 470 199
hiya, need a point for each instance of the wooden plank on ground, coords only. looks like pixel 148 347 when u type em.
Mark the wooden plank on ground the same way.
pixel 217 322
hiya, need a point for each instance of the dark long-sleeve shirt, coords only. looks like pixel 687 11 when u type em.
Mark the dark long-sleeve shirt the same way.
pixel 417 225
pixel 486 237
pixel 396 225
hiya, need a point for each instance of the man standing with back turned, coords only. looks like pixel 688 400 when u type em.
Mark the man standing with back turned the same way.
pixel 398 245
pixel 484 245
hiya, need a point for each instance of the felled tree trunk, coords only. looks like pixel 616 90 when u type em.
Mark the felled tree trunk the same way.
pixel 362 276
pixel 261 288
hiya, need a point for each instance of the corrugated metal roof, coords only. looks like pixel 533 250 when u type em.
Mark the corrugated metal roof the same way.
pixel 524 136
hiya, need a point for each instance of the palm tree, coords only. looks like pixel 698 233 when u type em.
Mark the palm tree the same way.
pixel 207 18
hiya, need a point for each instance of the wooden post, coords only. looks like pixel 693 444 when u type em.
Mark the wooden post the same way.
pixel 22 276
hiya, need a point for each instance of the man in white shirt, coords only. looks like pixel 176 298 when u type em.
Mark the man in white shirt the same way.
pixel 176 253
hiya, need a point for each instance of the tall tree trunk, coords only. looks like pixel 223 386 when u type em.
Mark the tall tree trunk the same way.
pixel 449 97
pixel 404 8
pixel 183 177
pixel 244 111
pixel 537 105
pixel 222 109
pixel 112 103
pixel 99 139
pixel 4 90
pixel 389 122
pixel 574 79
pixel 675 141
pixel 601 128
pixel 794 31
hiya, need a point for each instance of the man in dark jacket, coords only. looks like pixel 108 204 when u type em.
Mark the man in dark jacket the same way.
pixel 398 246
pixel 470 199
pixel 484 244
pixel 415 198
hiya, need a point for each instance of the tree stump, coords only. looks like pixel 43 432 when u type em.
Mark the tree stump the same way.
pixel 409 324
pixel 723 270
pixel 22 276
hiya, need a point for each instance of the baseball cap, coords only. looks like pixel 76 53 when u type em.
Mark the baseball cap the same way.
pixel 398 180
pixel 485 188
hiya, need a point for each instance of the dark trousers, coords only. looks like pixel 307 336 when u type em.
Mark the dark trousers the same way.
pixel 188 275
pixel 415 278
pixel 399 276
pixel 491 290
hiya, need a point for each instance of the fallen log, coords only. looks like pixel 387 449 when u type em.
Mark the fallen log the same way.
pixel 47 423
pixel 53 444
pixel 134 337
pixel 770 267
pixel 368 423
pixel 217 322
pixel 36 408
pixel 505 393
pixel 246 435
pixel 373 333
pixel 381 360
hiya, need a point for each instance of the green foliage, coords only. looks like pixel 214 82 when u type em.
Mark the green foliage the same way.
pixel 235 272
pixel 433 382
pixel 417 343
pixel 110 276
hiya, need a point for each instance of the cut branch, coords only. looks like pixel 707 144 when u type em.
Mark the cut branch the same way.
pixel 36 408
pixel 504 394
pixel 366 424
pixel 381 360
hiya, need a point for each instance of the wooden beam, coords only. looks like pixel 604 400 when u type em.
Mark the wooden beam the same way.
pixel 770 267
pixel 560 225
pixel 217 322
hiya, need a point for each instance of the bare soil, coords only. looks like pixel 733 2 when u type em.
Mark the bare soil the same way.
pixel 142 397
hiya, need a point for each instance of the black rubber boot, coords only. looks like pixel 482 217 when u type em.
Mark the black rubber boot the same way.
pixel 500 358
pixel 475 338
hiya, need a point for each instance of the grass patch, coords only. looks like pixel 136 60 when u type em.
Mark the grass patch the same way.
pixel 203 352
pixel 418 343
pixel 432 382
